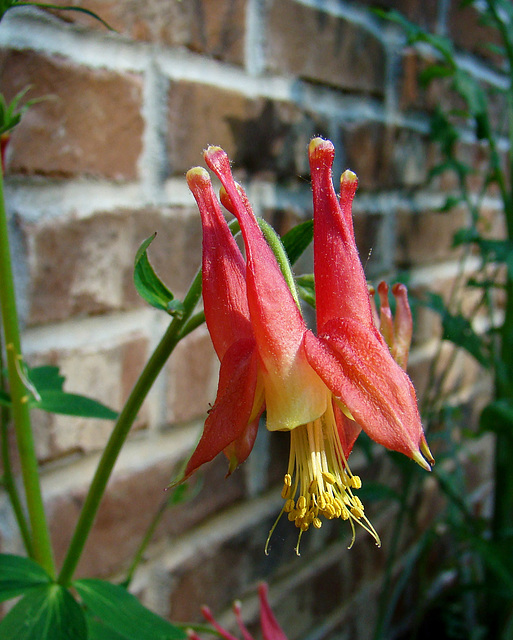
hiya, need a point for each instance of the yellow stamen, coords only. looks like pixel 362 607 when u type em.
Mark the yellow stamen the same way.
pixel 319 480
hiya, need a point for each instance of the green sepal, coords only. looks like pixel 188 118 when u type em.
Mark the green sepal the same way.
pixel 19 575
pixel 47 612
pixel 121 611
pixel 149 286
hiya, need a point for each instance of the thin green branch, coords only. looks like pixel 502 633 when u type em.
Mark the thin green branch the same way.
pixel 41 545
pixel 8 476
pixel 121 429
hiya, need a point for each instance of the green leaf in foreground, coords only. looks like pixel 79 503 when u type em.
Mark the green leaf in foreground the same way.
pixel 47 612
pixel 18 575
pixel 149 286
pixel 122 612
pixel 72 404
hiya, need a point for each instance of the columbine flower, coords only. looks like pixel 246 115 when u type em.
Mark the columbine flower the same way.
pixel 271 630
pixel 324 388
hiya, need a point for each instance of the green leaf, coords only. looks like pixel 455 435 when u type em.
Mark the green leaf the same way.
pixel 45 613
pixel 458 330
pixel 46 378
pixel 297 240
pixel 98 630
pixel 72 404
pixel 5 398
pixel 57 7
pixel 306 288
pixel 149 286
pixel 121 611
pixel 497 417
pixel 18 575
pixel 46 385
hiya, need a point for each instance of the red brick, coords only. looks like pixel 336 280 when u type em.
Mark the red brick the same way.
pixel 468 32
pixel 192 380
pixel 311 44
pixel 422 12
pixel 130 504
pixel 213 27
pixel 107 375
pixel 427 237
pixel 260 136
pixel 90 125
pixel 384 157
pixel 97 276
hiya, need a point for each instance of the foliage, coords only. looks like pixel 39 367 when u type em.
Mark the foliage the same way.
pixel 470 595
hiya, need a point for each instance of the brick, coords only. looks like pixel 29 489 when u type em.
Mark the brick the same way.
pixel 468 32
pixel 97 276
pixel 311 44
pixel 426 237
pixel 129 505
pixel 422 12
pixel 105 374
pixel 90 125
pixel 261 136
pixel 193 379
pixel 382 156
pixel 213 27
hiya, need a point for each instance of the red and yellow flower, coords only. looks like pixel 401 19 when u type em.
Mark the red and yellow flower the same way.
pixel 322 388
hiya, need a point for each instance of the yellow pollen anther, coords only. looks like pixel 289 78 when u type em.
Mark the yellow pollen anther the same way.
pixel 356 482
pixel 319 483
pixel 328 477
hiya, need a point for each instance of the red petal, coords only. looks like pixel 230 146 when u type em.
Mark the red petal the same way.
pixel 274 314
pixel 223 270
pixel 359 370
pixel 228 419
pixel 271 630
pixel 341 289
pixel 276 320
pixel 348 430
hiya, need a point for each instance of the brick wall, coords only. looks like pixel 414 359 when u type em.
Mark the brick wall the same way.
pixel 99 166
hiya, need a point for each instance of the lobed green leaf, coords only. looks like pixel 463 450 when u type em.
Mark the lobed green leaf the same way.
pixel 149 286
pixel 18 575
pixel 122 612
pixel 46 612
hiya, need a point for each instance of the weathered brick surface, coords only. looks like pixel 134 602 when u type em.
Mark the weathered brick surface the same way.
pixel 212 27
pixel 261 136
pixel 422 12
pixel 106 374
pixel 79 264
pixel 129 506
pixel 192 379
pixel 311 44
pixel 97 276
pixel 90 124
pixel 427 237
pixel 384 157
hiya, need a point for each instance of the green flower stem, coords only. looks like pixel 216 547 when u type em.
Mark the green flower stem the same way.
pixel 41 545
pixel 121 429
pixel 8 476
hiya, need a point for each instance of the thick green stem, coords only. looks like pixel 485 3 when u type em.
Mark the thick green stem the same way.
pixel 40 536
pixel 120 432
